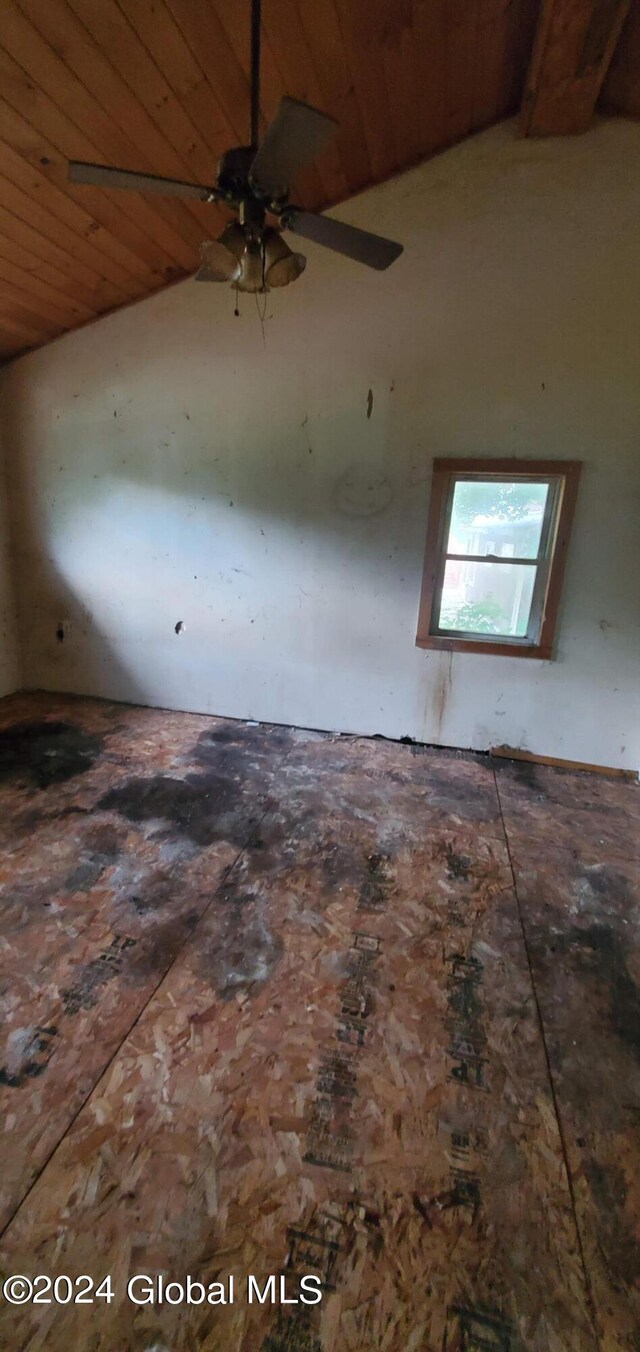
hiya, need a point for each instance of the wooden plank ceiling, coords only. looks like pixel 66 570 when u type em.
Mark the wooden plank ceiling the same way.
pixel 163 85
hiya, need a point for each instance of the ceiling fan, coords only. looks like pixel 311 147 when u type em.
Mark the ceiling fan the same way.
pixel 254 180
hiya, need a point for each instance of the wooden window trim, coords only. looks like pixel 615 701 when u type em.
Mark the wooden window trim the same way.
pixel 443 471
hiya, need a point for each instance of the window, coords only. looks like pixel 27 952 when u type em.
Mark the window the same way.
pixel 496 544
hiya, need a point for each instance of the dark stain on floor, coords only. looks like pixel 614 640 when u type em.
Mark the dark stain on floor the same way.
pixel 210 805
pixel 456 796
pixel 101 847
pixel 458 865
pixel 236 739
pixel 158 890
pixel 85 875
pixel 523 773
pixel 596 954
pixel 45 753
pixel 235 893
pixel 200 807
pixel 155 951
pixel 565 787
pixel 609 1193
pixel 598 951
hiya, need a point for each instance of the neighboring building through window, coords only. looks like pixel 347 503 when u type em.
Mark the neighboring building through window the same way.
pixel 496 544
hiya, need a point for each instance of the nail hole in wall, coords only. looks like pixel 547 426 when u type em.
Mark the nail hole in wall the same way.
pixel 60 633
pixel 180 627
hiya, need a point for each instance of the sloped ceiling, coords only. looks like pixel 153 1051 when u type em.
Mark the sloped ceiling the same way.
pixel 163 85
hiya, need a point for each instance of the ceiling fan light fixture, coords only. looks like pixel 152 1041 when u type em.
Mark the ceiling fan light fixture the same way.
pixel 235 257
pixel 244 243
pixel 281 264
pixel 219 262
pixel 252 270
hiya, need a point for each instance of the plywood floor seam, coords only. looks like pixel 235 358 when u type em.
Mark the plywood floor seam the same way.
pixel 277 1002
pixel 556 1107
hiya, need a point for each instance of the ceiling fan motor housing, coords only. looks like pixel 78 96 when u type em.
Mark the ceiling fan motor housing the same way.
pixel 233 178
pixel 233 171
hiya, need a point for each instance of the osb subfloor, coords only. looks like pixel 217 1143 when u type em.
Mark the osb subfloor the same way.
pixel 274 1001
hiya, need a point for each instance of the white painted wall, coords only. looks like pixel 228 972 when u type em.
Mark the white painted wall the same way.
pixel 170 464
pixel 9 652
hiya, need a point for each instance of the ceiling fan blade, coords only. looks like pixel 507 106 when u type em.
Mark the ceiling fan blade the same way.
pixel 373 250
pixel 102 177
pixel 218 264
pixel 297 134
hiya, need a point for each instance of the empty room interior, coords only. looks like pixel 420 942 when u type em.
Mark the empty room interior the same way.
pixel 319 675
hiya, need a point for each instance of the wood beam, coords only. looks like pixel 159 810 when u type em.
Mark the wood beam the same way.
pixel 575 41
pixel 621 89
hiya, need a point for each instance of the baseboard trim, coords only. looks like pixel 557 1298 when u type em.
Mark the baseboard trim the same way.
pixel 514 753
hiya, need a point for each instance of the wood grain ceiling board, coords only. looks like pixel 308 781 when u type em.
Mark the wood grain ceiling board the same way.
pixel 621 90
pixel 163 86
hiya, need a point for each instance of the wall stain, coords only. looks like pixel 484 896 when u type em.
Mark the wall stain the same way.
pixel 442 691
pixel 356 494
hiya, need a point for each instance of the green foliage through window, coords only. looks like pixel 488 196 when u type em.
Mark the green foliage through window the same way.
pixel 485 617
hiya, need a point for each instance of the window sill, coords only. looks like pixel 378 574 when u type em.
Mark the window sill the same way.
pixel 473 645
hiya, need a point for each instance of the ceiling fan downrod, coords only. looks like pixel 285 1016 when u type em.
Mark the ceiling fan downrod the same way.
pixel 255 72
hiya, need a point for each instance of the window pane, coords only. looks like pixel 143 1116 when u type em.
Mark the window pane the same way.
pixel 497 517
pixel 487 598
